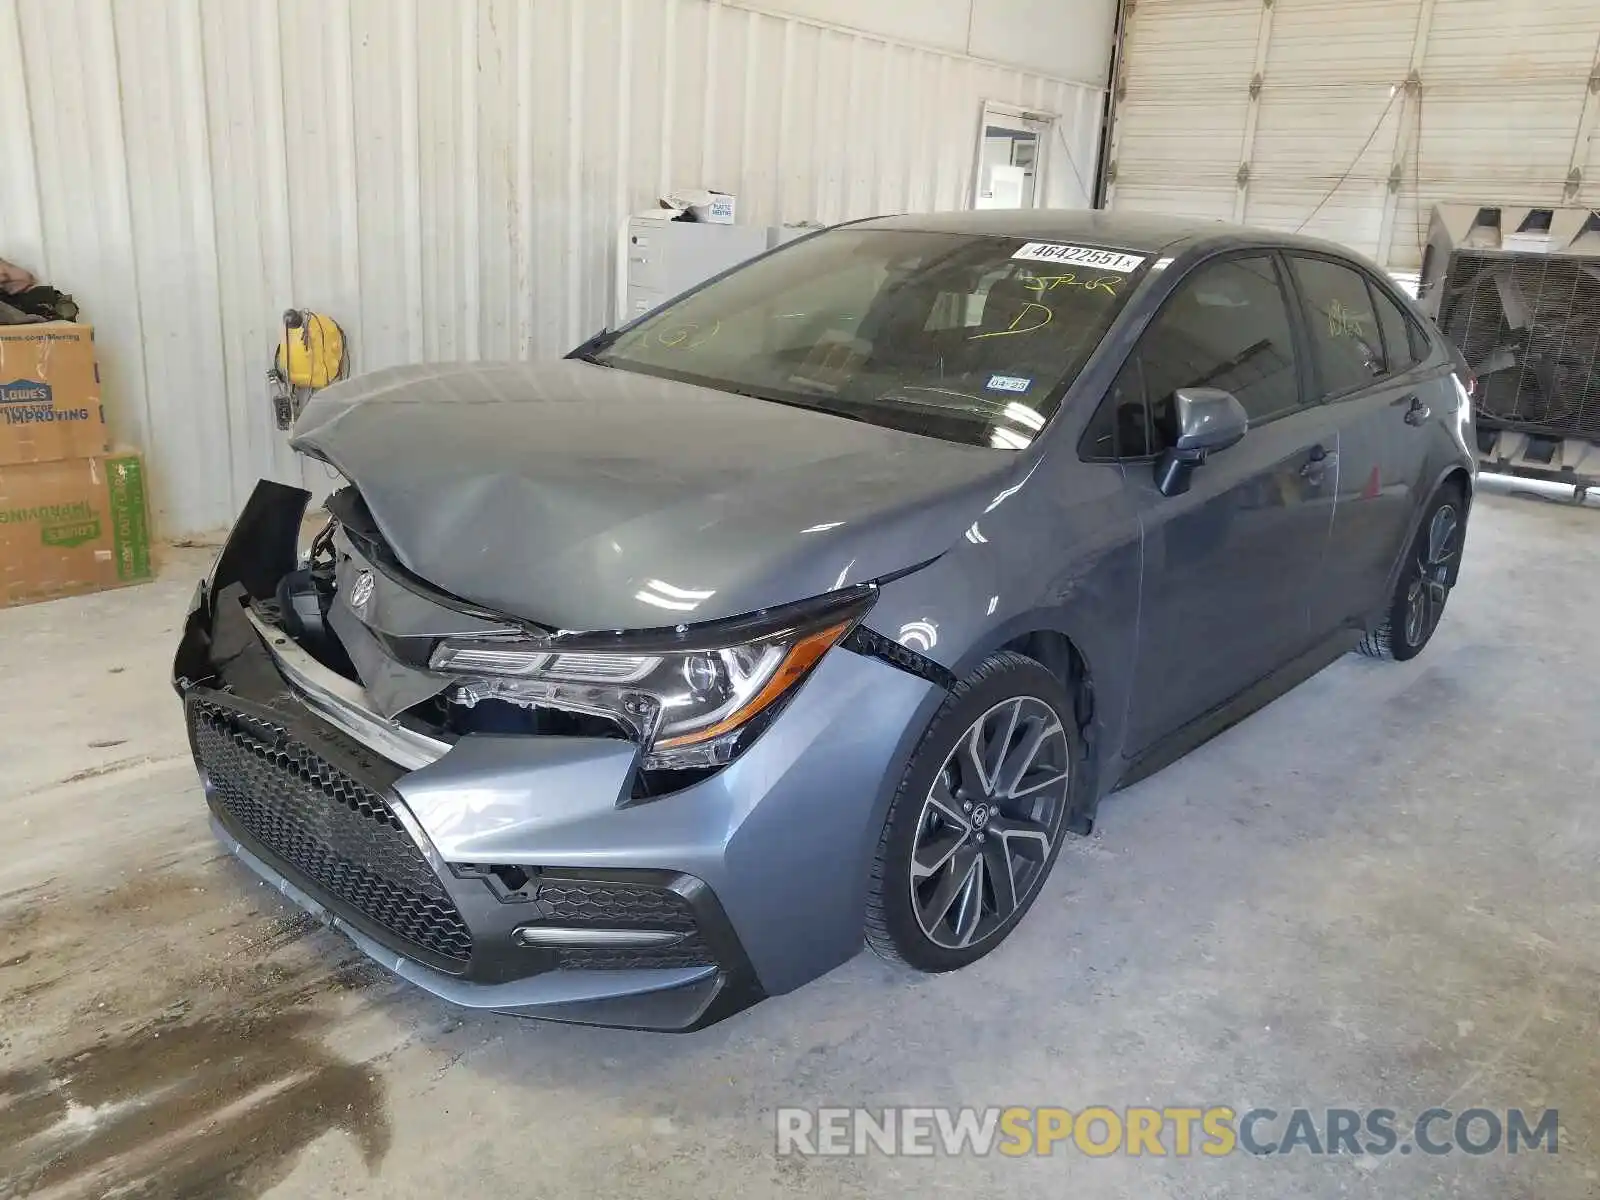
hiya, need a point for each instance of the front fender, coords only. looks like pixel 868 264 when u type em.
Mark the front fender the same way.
pixel 1050 559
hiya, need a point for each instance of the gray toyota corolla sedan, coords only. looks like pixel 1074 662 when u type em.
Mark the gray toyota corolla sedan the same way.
pixel 816 607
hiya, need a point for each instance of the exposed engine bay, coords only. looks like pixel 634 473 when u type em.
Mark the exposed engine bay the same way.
pixel 340 569
pixel 442 668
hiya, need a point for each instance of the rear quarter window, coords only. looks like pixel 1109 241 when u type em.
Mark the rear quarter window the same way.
pixel 1403 339
pixel 1421 342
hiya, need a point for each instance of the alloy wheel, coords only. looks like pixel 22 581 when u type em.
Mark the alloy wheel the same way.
pixel 1430 580
pixel 988 823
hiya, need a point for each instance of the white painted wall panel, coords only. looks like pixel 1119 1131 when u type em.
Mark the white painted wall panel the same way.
pixel 1067 39
pixel 21 223
pixel 70 66
pixel 172 206
pixel 446 177
pixel 1031 34
pixel 254 266
pixel 942 24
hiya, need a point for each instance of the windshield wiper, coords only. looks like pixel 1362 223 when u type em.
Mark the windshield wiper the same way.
pixel 589 356
pixel 831 410
pixel 927 398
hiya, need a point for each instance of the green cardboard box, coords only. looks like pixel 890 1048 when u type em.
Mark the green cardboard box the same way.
pixel 72 526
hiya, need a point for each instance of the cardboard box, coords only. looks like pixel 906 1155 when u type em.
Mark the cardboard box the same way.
pixel 78 525
pixel 49 393
pixel 718 212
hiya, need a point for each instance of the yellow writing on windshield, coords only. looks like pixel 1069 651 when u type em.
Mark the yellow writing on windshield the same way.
pixel 689 336
pixel 1045 283
pixel 1033 316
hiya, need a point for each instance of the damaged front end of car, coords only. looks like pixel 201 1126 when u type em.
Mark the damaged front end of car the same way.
pixel 524 819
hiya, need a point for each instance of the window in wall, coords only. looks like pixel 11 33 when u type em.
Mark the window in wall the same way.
pixel 1010 153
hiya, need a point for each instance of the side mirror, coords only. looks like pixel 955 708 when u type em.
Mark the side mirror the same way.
pixel 1208 419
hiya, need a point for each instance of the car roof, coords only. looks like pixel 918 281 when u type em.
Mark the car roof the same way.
pixel 1152 233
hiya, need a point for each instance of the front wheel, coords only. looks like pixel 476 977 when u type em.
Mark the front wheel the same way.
pixel 1424 585
pixel 978 819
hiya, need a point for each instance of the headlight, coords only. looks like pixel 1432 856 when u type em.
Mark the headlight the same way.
pixel 692 698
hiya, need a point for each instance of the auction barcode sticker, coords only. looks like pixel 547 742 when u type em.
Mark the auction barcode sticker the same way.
pixel 1080 256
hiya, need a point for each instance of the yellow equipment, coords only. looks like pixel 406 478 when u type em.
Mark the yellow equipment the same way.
pixel 310 355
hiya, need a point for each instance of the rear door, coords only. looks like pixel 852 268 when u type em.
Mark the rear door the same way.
pixel 1229 566
pixel 1364 352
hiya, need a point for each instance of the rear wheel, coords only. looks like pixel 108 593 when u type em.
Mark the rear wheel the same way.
pixel 1426 578
pixel 978 819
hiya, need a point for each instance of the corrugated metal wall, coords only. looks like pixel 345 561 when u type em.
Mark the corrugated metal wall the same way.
pixel 1352 118
pixel 444 176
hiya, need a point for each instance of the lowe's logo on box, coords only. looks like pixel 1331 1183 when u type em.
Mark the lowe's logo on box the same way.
pixel 25 391
pixel 31 401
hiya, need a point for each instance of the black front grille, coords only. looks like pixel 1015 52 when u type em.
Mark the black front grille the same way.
pixel 334 831
pixel 595 958
pixel 1529 327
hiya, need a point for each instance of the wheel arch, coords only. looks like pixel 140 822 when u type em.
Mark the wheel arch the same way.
pixel 1060 655
pixel 1454 475
pixel 1461 478
pixel 1063 653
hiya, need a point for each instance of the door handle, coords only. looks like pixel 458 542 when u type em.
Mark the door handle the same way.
pixel 1418 412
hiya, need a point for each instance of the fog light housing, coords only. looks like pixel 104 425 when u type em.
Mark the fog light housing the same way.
pixel 568 937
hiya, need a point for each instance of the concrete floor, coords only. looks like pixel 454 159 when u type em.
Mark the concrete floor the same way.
pixel 1381 891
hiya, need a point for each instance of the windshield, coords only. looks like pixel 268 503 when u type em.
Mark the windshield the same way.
pixel 967 338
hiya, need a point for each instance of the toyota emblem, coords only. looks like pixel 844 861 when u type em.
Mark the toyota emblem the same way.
pixel 361 591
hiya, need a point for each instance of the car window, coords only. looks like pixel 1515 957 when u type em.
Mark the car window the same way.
pixel 1421 344
pixel 1226 326
pixel 1344 326
pixel 1121 426
pixel 1397 344
pixel 1403 343
pixel 1419 338
pixel 970 338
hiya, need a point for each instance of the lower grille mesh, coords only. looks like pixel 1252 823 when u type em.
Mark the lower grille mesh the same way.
pixel 335 831
pixel 613 905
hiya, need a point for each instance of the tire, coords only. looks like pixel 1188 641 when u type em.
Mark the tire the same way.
pixel 1010 840
pixel 1426 575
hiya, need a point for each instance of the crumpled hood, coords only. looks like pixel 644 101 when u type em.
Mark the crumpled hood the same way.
pixel 584 497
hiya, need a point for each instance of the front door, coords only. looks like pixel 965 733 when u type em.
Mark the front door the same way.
pixel 1231 565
